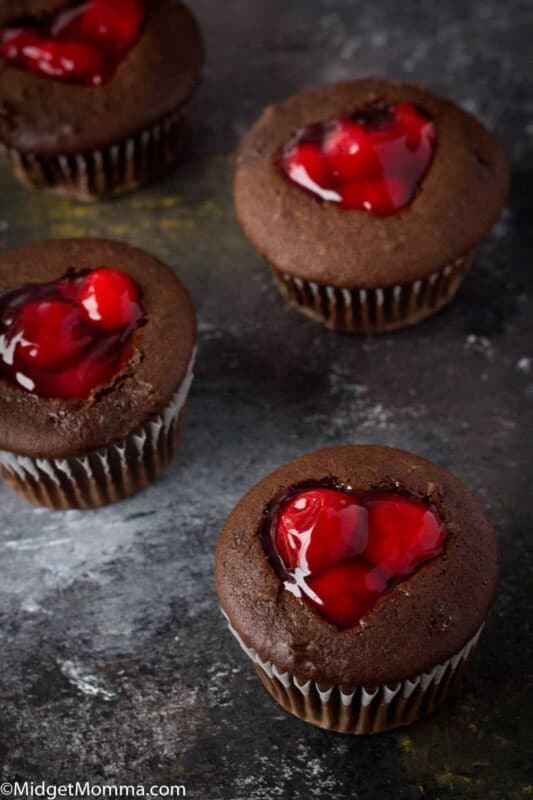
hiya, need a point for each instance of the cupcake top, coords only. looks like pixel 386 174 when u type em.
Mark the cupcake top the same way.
pixel 368 183
pixel 95 338
pixel 357 565
pixel 78 76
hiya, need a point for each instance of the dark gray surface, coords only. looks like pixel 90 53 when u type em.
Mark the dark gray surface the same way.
pixel 116 665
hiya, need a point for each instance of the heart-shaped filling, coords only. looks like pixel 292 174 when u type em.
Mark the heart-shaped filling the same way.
pixel 83 43
pixel 342 551
pixel 374 160
pixel 65 338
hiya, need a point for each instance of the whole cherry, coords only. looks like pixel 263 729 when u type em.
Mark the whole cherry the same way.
pixel 50 332
pixel 109 298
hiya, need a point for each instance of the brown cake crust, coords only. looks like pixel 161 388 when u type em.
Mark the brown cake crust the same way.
pixel 460 198
pixel 51 428
pixel 422 622
pixel 48 117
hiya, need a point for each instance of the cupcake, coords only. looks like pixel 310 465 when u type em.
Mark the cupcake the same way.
pixel 357 579
pixel 368 199
pixel 96 355
pixel 94 94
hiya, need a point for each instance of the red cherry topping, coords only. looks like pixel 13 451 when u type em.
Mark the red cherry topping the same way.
pixel 66 338
pixel 374 160
pixel 115 22
pixel 319 528
pixel 342 551
pixel 110 298
pixel 71 60
pixel 376 196
pixel 349 154
pixel 306 165
pixel 51 331
pixel 79 380
pixel 346 592
pixel 83 44
pixel 404 533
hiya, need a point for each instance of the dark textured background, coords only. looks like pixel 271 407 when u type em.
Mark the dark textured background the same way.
pixel 116 665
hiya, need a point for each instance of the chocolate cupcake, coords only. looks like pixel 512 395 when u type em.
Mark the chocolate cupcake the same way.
pixel 368 199
pixel 97 346
pixel 94 93
pixel 357 579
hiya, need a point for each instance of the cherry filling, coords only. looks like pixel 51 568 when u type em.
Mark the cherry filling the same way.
pixel 64 339
pixel 83 43
pixel 342 551
pixel 373 160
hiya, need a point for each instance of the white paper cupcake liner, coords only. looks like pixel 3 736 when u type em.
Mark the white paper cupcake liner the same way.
pixel 360 310
pixel 106 172
pixel 361 710
pixel 105 475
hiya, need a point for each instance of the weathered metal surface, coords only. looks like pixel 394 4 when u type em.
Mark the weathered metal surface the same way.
pixel 116 665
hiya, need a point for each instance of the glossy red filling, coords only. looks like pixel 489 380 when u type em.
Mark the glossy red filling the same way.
pixel 374 160
pixel 66 338
pixel 83 43
pixel 341 551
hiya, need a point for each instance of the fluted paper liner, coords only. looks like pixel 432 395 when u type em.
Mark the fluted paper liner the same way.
pixel 105 475
pixel 362 710
pixel 360 310
pixel 106 172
